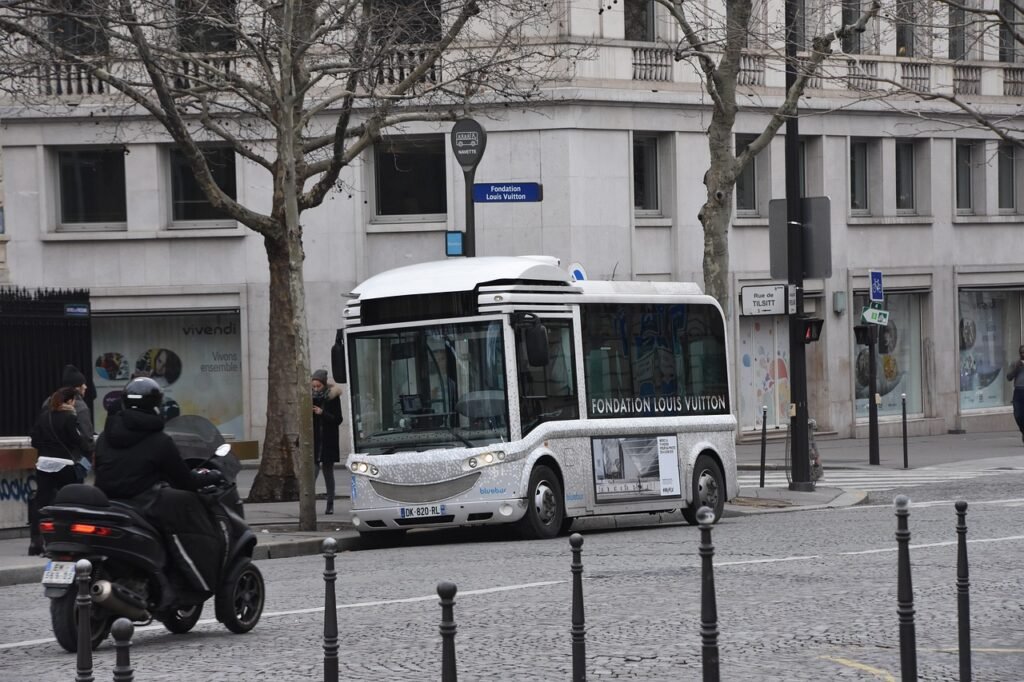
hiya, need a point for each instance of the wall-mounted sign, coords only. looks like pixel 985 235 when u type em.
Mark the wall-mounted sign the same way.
pixel 76 310
pixel 486 192
pixel 764 300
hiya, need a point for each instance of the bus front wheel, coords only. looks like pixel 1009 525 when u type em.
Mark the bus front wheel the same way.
pixel 708 490
pixel 545 505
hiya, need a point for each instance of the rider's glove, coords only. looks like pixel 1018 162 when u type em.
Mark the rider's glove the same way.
pixel 205 477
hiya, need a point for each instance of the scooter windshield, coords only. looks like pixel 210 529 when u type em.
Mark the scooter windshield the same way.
pixel 197 438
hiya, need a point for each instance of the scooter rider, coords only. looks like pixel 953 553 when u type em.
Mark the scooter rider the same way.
pixel 138 463
pixel 133 454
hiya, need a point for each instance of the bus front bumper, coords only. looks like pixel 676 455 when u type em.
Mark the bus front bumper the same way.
pixel 439 515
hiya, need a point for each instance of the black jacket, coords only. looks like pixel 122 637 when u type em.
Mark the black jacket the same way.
pixel 133 454
pixel 325 426
pixel 56 434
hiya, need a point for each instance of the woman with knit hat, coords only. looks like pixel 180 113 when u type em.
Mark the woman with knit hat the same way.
pixel 326 420
pixel 74 378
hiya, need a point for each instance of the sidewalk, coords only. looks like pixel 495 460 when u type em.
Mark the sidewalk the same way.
pixel 272 521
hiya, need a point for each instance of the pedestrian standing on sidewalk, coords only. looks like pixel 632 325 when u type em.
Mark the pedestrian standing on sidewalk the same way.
pixel 61 447
pixel 1016 375
pixel 326 420
pixel 73 377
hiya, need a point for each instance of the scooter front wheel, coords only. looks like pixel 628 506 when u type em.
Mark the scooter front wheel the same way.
pixel 239 600
pixel 181 620
pixel 64 619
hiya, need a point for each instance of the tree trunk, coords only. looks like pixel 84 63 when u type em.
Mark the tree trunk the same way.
pixel 716 213
pixel 287 447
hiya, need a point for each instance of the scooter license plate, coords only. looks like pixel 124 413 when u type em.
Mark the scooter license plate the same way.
pixel 59 573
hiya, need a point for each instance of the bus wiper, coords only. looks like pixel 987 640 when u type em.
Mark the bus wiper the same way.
pixel 465 441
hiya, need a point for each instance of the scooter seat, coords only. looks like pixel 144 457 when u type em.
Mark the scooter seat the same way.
pixel 137 518
pixel 80 494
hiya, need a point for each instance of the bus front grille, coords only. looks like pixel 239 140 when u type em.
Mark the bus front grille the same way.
pixel 425 520
pixel 429 492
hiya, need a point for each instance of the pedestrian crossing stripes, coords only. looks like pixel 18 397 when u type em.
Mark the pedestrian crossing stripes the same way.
pixel 872 480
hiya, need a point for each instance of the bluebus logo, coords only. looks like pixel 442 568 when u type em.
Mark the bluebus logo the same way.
pixel 492 491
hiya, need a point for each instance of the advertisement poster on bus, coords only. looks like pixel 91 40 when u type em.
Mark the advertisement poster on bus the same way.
pixel 635 468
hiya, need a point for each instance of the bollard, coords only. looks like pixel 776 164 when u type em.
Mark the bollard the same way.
pixel 903 397
pixel 447 593
pixel 963 596
pixel 122 632
pixel 83 608
pixel 329 546
pixel 905 593
pixel 708 607
pixel 764 439
pixel 579 645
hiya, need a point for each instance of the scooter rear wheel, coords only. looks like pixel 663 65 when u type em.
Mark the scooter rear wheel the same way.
pixel 64 619
pixel 239 600
pixel 180 621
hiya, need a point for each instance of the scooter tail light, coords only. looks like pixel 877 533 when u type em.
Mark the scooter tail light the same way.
pixel 46 527
pixel 90 529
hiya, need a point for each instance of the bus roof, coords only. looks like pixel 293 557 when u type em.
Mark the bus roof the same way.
pixel 462 274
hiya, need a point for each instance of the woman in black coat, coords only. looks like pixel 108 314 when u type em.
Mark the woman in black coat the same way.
pixel 326 420
pixel 60 445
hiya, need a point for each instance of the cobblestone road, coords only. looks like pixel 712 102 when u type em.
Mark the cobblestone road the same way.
pixel 801 596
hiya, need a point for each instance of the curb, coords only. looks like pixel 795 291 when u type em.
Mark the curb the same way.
pixel 848 498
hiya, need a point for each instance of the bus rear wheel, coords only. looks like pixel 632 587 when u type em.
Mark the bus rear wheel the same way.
pixel 708 490
pixel 545 505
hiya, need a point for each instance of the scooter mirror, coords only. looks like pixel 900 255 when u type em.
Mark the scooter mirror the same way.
pixel 222 450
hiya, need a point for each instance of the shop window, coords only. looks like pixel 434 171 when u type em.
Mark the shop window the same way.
pixel 646 184
pixel 188 201
pixel 196 359
pixel 92 188
pixel 410 177
pixel 989 332
pixel 898 360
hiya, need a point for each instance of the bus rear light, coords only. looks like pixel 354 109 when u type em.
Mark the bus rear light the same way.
pixel 90 529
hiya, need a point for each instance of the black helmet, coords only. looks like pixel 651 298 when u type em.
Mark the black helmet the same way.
pixel 142 394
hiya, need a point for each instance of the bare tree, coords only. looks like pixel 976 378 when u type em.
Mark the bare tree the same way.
pixel 717 42
pixel 299 88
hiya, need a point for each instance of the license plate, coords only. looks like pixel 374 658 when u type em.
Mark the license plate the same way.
pixel 423 511
pixel 59 573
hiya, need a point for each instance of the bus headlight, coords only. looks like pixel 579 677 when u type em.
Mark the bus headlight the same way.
pixel 358 467
pixel 484 459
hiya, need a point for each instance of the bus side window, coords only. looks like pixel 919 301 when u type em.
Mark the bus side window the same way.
pixel 547 393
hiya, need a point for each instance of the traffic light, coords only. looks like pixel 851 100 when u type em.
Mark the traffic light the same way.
pixel 811 328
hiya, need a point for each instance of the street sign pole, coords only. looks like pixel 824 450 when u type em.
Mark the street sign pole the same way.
pixel 800 461
pixel 469 140
pixel 873 330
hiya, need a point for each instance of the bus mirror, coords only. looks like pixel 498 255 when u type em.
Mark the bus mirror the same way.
pixel 537 345
pixel 338 358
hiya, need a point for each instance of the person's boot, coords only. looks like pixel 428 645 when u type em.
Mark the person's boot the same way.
pixel 35 546
pixel 330 507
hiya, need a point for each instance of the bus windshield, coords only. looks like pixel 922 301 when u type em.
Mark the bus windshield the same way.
pixel 429 387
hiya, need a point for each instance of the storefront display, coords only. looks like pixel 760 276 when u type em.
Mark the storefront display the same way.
pixel 989 333
pixel 196 358
pixel 763 371
pixel 898 360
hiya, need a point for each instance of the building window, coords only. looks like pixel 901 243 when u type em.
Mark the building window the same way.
pixel 859 177
pixel 905 25
pixel 1007 177
pixel 905 195
pixel 188 202
pixel 410 176
pixel 1007 31
pixel 645 174
pixel 206 25
pixel 639 18
pixel 851 12
pixel 990 333
pixel 406 22
pixel 964 177
pixel 746 182
pixel 92 188
pixel 897 361
pixel 957 32
pixel 76 28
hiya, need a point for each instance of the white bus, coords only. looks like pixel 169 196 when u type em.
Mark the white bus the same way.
pixel 499 390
